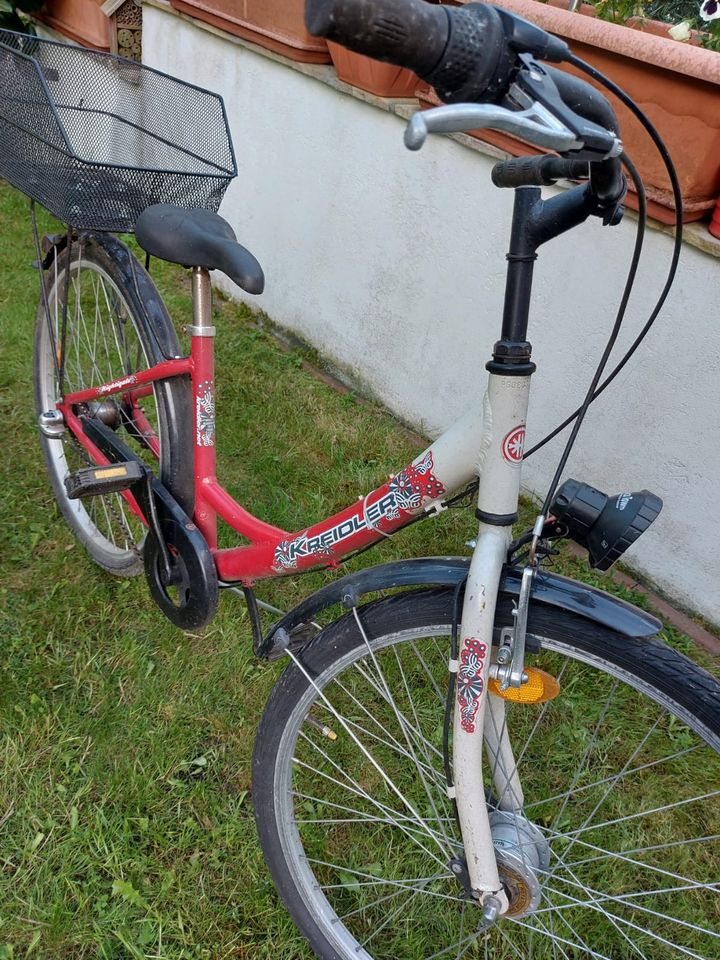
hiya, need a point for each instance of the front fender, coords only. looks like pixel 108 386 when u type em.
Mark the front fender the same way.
pixel 550 589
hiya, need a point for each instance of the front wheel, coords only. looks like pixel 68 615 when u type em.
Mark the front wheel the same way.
pixel 620 774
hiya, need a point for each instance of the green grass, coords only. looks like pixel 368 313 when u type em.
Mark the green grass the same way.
pixel 126 826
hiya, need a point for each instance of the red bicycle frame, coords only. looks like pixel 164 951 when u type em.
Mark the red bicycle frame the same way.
pixel 272 551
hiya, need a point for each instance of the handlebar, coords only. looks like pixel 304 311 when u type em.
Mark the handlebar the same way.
pixel 537 171
pixel 483 61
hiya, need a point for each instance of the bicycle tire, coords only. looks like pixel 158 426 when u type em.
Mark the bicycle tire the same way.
pixel 116 324
pixel 339 843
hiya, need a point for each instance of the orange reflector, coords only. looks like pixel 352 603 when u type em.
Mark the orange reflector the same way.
pixel 541 686
pixel 108 472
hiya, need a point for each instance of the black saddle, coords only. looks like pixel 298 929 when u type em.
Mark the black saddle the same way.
pixel 198 238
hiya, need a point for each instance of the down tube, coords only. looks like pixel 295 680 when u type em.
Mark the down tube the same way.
pixel 447 465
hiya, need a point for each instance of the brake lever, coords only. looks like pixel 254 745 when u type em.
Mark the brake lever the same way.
pixel 535 86
pixel 534 123
pixel 539 115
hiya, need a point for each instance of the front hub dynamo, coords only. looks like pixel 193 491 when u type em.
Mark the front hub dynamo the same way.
pixel 523 857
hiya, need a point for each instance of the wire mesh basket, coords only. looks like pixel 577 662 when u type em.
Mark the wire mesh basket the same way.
pixel 97 138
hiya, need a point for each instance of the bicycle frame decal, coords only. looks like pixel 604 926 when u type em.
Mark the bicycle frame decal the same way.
pixel 470 682
pixel 117 385
pixel 205 414
pixel 405 493
pixel 513 445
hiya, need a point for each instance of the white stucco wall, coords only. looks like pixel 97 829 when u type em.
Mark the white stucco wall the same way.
pixel 392 265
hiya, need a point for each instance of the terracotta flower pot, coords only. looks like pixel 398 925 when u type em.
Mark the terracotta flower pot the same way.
pixel 676 84
pixel 278 25
pixel 79 20
pixel 714 225
pixel 382 79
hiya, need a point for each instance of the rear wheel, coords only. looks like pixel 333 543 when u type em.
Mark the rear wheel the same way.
pixel 614 853
pixel 116 325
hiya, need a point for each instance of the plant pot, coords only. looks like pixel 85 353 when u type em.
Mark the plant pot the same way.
pixel 382 79
pixel 676 84
pixel 278 25
pixel 714 225
pixel 80 20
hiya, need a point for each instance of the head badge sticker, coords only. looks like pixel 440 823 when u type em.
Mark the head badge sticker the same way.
pixel 513 445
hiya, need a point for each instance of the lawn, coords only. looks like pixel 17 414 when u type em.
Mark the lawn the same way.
pixel 126 826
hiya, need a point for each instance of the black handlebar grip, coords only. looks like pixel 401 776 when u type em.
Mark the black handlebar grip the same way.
pixel 461 51
pixel 537 171
pixel 408 33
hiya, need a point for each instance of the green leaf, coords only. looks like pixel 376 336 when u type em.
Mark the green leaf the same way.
pixel 34 942
pixel 124 889
pixel 36 841
pixel 348 880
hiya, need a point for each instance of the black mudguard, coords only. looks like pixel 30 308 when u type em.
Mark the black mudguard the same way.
pixel 549 588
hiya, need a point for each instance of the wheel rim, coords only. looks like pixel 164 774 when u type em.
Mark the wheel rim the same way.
pixel 628 875
pixel 102 344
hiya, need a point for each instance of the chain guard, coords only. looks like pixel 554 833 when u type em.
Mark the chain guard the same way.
pixel 189 597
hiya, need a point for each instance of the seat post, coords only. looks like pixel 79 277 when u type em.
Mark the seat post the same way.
pixel 202 303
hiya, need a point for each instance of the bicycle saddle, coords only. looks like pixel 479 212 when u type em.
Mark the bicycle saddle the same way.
pixel 198 238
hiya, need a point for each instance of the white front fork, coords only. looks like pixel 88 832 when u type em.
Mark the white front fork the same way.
pixel 504 412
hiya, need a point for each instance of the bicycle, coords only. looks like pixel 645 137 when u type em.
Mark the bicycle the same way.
pixel 384 834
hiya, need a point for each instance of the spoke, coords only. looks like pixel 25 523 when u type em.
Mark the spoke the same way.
pixel 642 813
pixel 499 762
pixel 426 787
pixel 459 953
pixel 393 745
pixel 405 829
pixel 341 720
pixel 588 751
pixel 100 322
pixel 431 677
pixel 388 896
pixel 397 817
pixel 564 920
pixel 509 942
pixel 402 719
pixel 462 945
pixel 83 334
pixel 627 899
pixel 620 856
pixel 609 787
pixel 599 783
pixel 568 943
pixel 108 522
pixel 656 846
pixel 551 918
pixel 611 917
pixel 592 905
pixel 380 881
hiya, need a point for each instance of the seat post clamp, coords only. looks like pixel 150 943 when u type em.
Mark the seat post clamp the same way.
pixel 194 331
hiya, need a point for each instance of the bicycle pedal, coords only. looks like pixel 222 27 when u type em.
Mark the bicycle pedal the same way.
pixel 93 481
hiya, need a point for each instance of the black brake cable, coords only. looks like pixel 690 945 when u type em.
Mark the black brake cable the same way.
pixel 596 390
pixel 579 415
